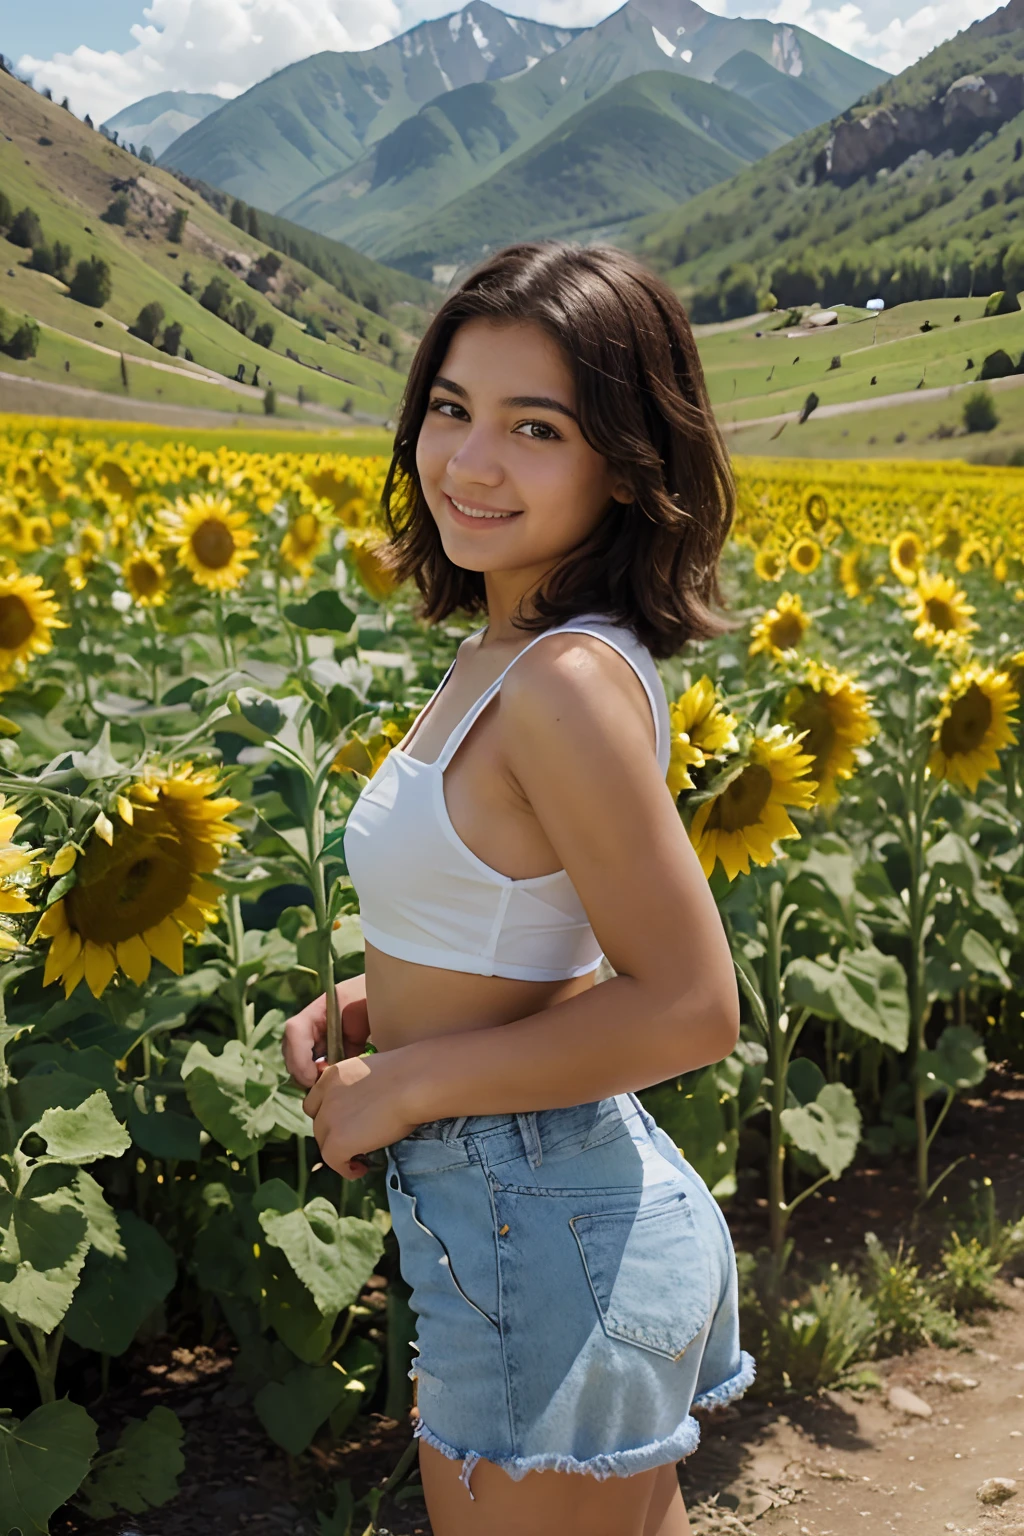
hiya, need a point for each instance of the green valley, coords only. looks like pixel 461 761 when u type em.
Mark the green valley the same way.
pixel 234 316
pixel 915 193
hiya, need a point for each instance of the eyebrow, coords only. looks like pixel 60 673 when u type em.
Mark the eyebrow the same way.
pixel 518 402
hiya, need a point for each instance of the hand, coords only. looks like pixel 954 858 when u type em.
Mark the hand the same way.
pixel 359 1105
pixel 305 1035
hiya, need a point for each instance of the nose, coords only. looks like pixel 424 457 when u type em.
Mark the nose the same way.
pixel 476 461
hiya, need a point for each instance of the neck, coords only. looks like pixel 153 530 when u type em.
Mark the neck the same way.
pixel 510 594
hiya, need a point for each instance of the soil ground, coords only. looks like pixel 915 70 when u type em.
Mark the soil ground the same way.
pixel 820 1465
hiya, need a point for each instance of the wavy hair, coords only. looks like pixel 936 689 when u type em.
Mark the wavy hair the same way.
pixel 650 564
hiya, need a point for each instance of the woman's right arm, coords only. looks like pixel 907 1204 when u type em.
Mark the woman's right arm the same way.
pixel 305 1035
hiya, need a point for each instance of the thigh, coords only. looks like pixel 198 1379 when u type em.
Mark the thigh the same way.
pixel 541 1504
pixel 666 1513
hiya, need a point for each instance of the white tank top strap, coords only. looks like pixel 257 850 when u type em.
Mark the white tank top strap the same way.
pixel 614 635
pixel 427 898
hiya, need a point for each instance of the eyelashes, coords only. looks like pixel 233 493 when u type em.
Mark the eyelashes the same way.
pixel 550 433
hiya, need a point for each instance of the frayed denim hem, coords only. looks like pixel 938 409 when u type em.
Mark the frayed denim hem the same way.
pixel 618 1464
pixel 717 1397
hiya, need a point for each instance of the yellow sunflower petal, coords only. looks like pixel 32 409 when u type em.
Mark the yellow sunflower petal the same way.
pixel 134 958
pixel 64 860
pixel 52 922
pixel 74 973
pixel 165 943
pixel 100 965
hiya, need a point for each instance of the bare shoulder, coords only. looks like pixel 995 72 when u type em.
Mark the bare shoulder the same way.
pixel 575 679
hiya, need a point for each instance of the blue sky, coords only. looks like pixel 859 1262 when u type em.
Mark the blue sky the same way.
pixel 62 24
pixel 106 54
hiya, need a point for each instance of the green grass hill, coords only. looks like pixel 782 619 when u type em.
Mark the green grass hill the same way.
pixel 338 342
pixel 916 192
pixel 641 146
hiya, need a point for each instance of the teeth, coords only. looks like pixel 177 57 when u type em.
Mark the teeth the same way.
pixel 476 511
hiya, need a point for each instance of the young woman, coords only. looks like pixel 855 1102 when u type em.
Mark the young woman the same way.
pixel 557 468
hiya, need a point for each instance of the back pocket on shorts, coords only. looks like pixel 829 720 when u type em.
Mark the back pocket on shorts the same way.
pixel 648 1272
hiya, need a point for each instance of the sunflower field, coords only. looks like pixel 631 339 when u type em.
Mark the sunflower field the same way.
pixel 202 657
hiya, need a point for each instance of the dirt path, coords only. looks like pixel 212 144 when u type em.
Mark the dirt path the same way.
pixel 880 402
pixel 37 397
pixel 852 1464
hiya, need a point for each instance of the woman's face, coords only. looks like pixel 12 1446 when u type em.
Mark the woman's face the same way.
pixel 509 479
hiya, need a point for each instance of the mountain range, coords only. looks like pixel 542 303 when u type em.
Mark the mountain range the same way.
pixel 430 149
pixel 156 121
pixel 919 187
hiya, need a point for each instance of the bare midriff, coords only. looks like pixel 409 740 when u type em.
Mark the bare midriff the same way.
pixel 406 1002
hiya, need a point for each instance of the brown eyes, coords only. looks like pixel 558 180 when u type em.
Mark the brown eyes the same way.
pixel 540 431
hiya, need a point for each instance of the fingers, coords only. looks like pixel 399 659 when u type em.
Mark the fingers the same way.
pixel 305 1036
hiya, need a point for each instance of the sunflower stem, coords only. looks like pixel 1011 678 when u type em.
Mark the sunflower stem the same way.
pixel 243 1009
pixel 302 1167
pixel 919 803
pixel 226 649
pixel 154 639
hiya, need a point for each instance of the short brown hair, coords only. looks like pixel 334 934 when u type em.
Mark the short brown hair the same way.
pixel 651 564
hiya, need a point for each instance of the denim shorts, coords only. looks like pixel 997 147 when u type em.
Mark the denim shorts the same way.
pixel 574 1285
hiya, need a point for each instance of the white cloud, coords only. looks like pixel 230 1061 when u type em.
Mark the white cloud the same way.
pixel 892 42
pixel 223 46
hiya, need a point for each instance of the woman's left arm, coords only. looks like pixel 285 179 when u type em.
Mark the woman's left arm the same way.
pixel 577 736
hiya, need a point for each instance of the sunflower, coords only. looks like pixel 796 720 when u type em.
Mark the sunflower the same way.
pixel 940 612
pixel 769 564
pixel 905 555
pixel 815 507
pixel 852 575
pixel 1015 668
pixel 702 729
pixel 364 550
pixel 303 541
pixel 14 861
pixel 145 577
pixel 361 756
pixel 212 541
pixel 780 629
pixel 14 528
pixel 140 882
pixel 949 540
pixel 805 555
pixel 833 713
pixel 28 617
pixel 749 817
pixel 973 724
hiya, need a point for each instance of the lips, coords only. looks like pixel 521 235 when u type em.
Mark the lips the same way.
pixel 469 515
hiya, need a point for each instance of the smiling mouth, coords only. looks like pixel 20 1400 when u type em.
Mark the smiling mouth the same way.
pixel 482 514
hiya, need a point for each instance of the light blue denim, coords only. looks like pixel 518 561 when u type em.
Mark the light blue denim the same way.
pixel 575 1289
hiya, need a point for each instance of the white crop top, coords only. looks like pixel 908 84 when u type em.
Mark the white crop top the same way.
pixel 425 897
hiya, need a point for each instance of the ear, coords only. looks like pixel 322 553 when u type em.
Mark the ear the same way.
pixel 623 491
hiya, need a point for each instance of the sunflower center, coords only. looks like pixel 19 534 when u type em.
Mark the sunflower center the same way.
pixel 812 715
pixel 741 803
pixel 940 614
pixel 145 577
pixel 124 890
pixel 305 530
pixel 967 723
pixel 213 544
pixel 786 631
pixel 906 552
pixel 817 511
pixel 805 555
pixel 16 622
